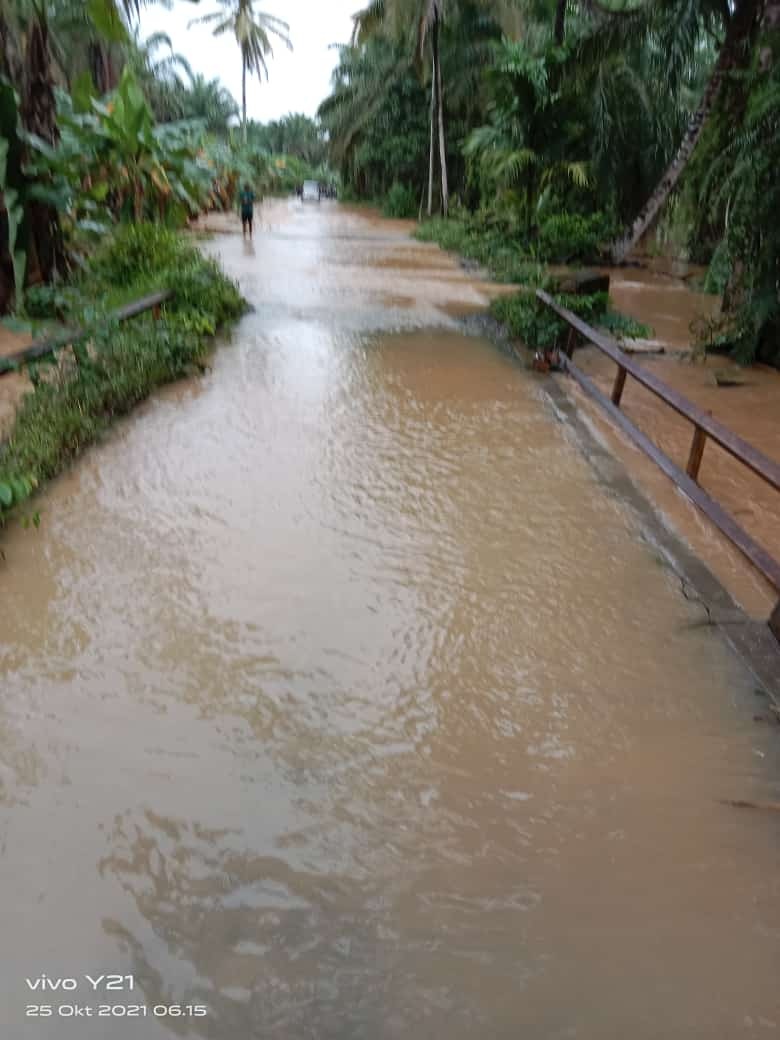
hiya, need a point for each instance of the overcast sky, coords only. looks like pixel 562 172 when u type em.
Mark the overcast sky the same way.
pixel 297 82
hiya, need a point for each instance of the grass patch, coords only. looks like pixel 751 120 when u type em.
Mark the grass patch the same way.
pixel 503 255
pixel 74 402
pixel 508 253
pixel 400 202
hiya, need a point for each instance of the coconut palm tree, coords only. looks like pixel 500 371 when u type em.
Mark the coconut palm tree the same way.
pixel 462 41
pixel 252 30
pixel 209 101
pixel 738 22
pixel 426 16
pixel 362 81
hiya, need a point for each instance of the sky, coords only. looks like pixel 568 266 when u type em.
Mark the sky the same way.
pixel 298 80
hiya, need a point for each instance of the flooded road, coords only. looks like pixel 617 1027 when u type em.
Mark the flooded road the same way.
pixel 340 699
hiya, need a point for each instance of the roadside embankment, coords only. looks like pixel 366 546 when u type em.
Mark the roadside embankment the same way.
pixel 74 398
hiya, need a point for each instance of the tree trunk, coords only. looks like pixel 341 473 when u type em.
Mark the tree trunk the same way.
pixel 38 112
pixel 445 192
pixel 99 66
pixel 243 96
pixel 432 150
pixel 10 53
pixel 559 32
pixel 734 53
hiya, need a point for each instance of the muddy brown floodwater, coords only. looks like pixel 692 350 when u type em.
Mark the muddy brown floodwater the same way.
pixel 340 698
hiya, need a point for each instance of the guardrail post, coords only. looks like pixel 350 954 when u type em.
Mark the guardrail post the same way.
pixel 774 622
pixel 617 389
pixel 697 450
pixel 571 343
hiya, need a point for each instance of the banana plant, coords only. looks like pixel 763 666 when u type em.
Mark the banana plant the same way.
pixel 113 163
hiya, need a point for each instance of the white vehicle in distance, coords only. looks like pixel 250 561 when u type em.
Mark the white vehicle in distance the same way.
pixel 311 191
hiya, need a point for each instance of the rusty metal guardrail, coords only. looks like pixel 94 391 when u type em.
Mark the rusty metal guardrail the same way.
pixel 46 347
pixel 704 427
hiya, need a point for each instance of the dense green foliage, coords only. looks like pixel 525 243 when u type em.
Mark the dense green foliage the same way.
pixel 112 163
pixel 293 135
pixel 76 398
pixel 741 189
pixel 557 124
pixel 378 136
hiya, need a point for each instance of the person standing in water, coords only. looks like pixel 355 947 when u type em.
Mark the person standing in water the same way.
pixel 247 199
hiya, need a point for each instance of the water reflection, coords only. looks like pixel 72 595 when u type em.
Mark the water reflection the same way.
pixel 278 950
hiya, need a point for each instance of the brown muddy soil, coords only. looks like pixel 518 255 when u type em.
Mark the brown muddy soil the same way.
pixel 14 385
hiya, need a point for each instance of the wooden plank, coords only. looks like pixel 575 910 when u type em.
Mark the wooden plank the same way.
pixel 755 460
pixel 42 348
pixel 697 451
pixel 774 621
pixel 637 346
pixel 757 555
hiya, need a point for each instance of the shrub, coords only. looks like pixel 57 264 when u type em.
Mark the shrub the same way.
pixel 51 301
pixel 136 251
pixel 539 328
pixel 528 320
pixel 624 326
pixel 451 235
pixel 571 236
pixel 400 202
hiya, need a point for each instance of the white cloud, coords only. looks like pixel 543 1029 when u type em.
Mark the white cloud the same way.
pixel 298 80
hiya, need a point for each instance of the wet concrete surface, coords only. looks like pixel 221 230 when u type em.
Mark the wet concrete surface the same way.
pixel 343 697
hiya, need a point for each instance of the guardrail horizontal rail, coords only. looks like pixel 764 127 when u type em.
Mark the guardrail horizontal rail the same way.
pixel 704 426
pixel 45 347
pixel 760 464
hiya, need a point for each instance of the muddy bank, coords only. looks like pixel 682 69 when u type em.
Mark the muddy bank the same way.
pixel 14 385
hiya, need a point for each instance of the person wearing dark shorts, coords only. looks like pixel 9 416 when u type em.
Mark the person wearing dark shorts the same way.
pixel 247 209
